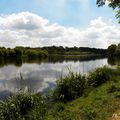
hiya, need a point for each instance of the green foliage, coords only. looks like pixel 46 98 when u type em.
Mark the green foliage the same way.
pixel 74 50
pixel 117 52
pixel 30 53
pixel 115 4
pixel 114 50
pixel 59 107
pixel 19 52
pixel 17 107
pixel 75 85
pixel 100 103
pixel 98 77
pixel 70 87
pixel 89 113
pixel 114 88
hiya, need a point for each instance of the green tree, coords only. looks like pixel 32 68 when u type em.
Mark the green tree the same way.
pixel 115 4
pixel 117 52
pixel 111 49
pixel 18 52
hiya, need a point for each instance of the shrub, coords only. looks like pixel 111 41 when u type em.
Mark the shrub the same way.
pixel 113 88
pixel 18 107
pixel 59 107
pixel 31 53
pixel 89 113
pixel 98 77
pixel 70 87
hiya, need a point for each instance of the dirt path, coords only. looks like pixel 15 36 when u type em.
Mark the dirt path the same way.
pixel 116 116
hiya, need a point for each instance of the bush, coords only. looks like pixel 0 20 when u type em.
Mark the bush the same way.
pixel 70 87
pixel 59 107
pixel 31 53
pixel 98 77
pixel 18 107
pixel 113 88
pixel 89 113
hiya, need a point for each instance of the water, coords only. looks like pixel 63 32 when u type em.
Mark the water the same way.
pixel 41 75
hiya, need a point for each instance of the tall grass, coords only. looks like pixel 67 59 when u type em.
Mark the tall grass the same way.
pixel 70 87
pixel 75 85
pixel 19 106
pixel 98 77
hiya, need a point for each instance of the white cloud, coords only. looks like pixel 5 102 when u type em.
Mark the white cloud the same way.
pixel 24 20
pixel 29 29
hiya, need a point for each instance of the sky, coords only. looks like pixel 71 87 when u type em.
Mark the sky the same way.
pixel 38 23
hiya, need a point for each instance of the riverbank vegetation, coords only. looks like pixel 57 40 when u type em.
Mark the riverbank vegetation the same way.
pixel 23 52
pixel 20 55
pixel 54 50
pixel 45 51
pixel 95 96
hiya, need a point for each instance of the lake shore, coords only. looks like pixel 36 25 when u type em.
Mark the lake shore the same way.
pixel 98 99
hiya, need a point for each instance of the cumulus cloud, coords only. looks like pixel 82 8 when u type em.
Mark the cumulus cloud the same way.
pixel 29 29
pixel 24 20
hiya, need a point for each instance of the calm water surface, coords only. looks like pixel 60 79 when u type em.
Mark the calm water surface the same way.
pixel 39 77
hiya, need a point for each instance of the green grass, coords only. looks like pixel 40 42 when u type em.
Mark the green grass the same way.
pixel 98 104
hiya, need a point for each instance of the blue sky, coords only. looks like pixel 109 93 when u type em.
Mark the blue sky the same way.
pixel 75 13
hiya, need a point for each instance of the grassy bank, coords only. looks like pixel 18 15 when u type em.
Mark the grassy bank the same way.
pixel 95 96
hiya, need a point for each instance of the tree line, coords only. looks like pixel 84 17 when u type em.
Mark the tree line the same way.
pixel 74 50
pixel 43 52
pixel 19 52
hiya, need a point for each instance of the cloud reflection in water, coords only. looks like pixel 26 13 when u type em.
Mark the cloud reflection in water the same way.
pixel 38 77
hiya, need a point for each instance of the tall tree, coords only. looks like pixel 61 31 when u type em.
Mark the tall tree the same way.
pixel 112 49
pixel 115 4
